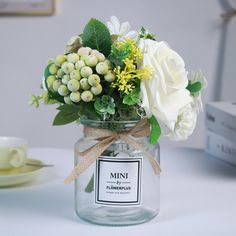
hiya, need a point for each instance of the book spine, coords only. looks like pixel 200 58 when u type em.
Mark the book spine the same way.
pixel 220 147
pixel 221 123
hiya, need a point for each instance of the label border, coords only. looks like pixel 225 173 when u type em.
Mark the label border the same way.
pixel 139 180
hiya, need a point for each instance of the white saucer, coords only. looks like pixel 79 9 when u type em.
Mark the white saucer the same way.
pixel 20 175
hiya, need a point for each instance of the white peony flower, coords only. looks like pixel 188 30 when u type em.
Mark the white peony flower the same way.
pixel 123 30
pixel 185 124
pixel 197 100
pixel 165 94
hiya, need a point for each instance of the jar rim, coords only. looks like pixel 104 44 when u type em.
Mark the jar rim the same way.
pixel 85 121
pixel 111 125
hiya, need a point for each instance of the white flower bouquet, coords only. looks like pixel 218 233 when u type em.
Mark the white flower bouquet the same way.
pixel 110 73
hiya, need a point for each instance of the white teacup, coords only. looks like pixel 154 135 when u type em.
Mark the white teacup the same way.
pixel 13 152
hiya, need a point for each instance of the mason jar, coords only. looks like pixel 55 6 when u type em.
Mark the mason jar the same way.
pixel 120 188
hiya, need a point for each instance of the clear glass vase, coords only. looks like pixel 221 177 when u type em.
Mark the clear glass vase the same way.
pixel 120 187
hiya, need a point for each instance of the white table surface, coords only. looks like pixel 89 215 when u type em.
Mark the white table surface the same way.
pixel 198 197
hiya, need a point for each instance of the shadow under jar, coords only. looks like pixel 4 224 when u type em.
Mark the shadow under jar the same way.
pixel 120 188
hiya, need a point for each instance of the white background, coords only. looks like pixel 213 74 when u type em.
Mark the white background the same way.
pixel 191 27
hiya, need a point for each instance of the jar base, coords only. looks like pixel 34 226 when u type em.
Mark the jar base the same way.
pixel 116 216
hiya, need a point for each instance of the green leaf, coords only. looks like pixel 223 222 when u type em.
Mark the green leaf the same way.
pixel 46 71
pixel 111 109
pixel 34 100
pixel 195 87
pixel 146 34
pixel 132 98
pixel 105 99
pixel 155 130
pixel 100 106
pixel 69 108
pixel 96 36
pixel 105 105
pixel 63 118
pixel 88 110
pixel 116 61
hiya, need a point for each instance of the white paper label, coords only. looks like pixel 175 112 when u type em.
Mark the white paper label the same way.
pixel 118 181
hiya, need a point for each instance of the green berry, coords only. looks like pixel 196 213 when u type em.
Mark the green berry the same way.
pixel 109 77
pixel 100 57
pixel 75 96
pixel 102 68
pixel 50 80
pixel 63 90
pixel 109 64
pixel 98 54
pixel 86 96
pixel 86 71
pixel 59 60
pixel 73 85
pixel 83 58
pixel 65 79
pixel 79 64
pixel 67 100
pixel 94 80
pixel 97 89
pixel 67 67
pixel 72 57
pixel 60 73
pixel 91 60
pixel 75 74
pixel 84 84
pixel 84 51
pixel 56 85
pixel 94 52
pixel 53 69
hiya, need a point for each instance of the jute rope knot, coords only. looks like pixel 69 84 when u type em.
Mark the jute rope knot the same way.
pixel 105 138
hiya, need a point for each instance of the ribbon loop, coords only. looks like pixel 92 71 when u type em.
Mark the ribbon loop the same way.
pixel 107 137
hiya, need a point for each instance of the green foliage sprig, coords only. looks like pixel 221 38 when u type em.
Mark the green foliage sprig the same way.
pixel 98 78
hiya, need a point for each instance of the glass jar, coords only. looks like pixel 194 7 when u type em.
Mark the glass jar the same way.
pixel 120 187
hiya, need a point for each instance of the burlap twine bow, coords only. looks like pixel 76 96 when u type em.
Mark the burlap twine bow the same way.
pixel 105 138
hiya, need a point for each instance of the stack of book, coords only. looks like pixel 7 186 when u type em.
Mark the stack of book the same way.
pixel 221 130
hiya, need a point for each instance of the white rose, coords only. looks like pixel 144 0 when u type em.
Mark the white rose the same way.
pixel 165 94
pixel 185 124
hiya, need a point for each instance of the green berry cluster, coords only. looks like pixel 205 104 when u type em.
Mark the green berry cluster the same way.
pixel 77 76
